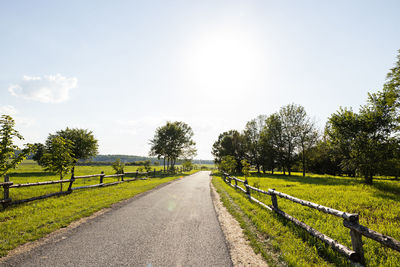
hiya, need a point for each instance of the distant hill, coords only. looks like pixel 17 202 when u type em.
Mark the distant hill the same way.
pixel 131 158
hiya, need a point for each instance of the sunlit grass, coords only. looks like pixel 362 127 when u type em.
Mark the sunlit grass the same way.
pixel 377 205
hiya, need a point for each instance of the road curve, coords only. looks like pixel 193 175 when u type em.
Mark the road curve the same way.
pixel 175 225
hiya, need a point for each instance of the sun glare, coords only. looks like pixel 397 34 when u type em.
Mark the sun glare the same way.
pixel 223 62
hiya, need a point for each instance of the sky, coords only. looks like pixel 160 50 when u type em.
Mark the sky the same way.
pixel 123 68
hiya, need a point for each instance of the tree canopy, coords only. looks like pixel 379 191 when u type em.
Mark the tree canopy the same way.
pixel 8 157
pixel 172 141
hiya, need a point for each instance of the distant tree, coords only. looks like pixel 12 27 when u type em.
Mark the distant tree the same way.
pixel 245 168
pixel 187 165
pixel 230 143
pixel 308 136
pixel 292 116
pixel 58 157
pixel 85 145
pixel 252 133
pixel 118 166
pixel 172 141
pixel 147 165
pixel 39 151
pixel 272 145
pixel 228 164
pixel 8 158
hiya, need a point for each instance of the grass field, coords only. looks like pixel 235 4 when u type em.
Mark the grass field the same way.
pixel 27 222
pixel 378 206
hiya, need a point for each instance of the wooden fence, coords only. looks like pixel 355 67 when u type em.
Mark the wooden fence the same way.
pixel 7 184
pixel 350 220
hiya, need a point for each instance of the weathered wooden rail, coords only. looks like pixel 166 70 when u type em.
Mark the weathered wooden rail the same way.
pixel 7 184
pixel 350 220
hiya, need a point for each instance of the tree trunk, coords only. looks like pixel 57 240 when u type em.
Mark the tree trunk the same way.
pixel 368 179
pixel 303 156
pixel 258 168
pixel 164 163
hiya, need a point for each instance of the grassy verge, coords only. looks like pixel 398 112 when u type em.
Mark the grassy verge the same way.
pixel 31 221
pixel 378 206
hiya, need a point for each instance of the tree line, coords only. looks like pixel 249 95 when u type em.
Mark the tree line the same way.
pixel 364 143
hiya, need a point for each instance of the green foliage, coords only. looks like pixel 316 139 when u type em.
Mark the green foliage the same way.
pixel 228 164
pixel 377 205
pixel 118 166
pixel 230 143
pixel 172 141
pixel 187 165
pixel 147 166
pixel 245 168
pixel 252 137
pixel 58 156
pixel 84 143
pixel 8 158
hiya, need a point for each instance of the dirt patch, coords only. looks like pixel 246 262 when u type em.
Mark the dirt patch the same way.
pixel 239 248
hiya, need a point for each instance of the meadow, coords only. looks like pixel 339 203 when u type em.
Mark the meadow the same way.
pixel 377 205
pixel 30 221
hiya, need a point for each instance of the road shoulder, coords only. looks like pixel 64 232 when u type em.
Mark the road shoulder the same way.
pixel 239 247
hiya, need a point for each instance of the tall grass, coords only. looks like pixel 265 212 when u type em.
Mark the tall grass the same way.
pixel 377 205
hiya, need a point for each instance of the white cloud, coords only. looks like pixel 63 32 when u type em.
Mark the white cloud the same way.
pixel 46 89
pixel 8 110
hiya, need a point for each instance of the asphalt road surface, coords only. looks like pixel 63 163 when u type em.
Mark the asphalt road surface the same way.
pixel 175 225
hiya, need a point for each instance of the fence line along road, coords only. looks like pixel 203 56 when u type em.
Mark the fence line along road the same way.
pixel 7 184
pixel 350 220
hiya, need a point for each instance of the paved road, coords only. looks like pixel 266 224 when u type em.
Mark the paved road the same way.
pixel 175 225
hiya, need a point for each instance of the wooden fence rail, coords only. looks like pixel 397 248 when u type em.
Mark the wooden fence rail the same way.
pixel 350 220
pixel 7 184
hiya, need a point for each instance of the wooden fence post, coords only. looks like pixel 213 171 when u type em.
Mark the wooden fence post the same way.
pixel 122 177
pixel 137 172
pixel 246 184
pixel 274 201
pixel 356 241
pixel 101 177
pixel 72 180
pixel 6 189
pixel 235 183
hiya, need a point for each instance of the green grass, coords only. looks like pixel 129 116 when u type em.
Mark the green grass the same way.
pixel 30 221
pixel 377 205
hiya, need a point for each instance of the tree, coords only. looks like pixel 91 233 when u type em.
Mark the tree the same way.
pixel 58 156
pixel 85 145
pixel 147 166
pixel 292 117
pixel 252 135
pixel 367 140
pixel 245 169
pixel 228 164
pixel 187 165
pixel 308 136
pixel 230 143
pixel 8 157
pixel 271 142
pixel 118 166
pixel 40 150
pixel 172 141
